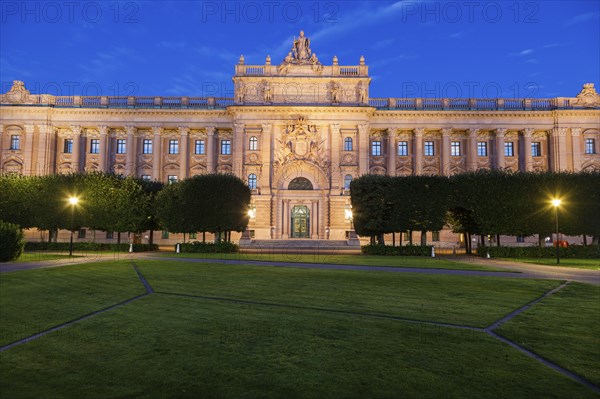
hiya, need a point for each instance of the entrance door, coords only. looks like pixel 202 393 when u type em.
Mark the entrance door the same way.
pixel 300 222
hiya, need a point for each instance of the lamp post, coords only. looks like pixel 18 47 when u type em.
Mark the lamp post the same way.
pixel 73 201
pixel 556 204
pixel 352 237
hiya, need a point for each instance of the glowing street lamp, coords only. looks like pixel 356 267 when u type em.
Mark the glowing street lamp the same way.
pixel 73 201
pixel 556 203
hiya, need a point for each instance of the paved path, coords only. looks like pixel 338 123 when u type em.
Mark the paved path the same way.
pixel 512 269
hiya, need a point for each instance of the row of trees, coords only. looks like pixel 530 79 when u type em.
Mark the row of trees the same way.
pixel 110 202
pixel 478 203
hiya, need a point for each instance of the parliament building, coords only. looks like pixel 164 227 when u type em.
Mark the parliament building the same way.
pixel 297 132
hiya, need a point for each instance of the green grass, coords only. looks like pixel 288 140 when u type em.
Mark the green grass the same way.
pixel 39 257
pixel 564 328
pixel 34 300
pixel 593 264
pixel 163 346
pixel 476 301
pixel 362 260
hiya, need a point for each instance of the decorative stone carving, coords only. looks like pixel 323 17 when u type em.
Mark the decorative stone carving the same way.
pixel 18 94
pixel 301 142
pixel 267 92
pixel 334 92
pixel 588 97
pixel 361 93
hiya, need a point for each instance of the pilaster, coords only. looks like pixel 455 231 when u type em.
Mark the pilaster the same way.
pixel 156 153
pixel 75 155
pixel 210 149
pixel 500 134
pixel 391 153
pixel 576 141
pixel 103 156
pixel 446 132
pixel 363 148
pixel 418 152
pixel 472 149
pixel 526 150
pixel 184 132
pixel 130 151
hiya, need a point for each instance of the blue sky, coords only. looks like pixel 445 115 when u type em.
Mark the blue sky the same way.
pixel 413 48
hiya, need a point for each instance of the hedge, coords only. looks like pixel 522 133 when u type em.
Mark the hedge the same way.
pixel 572 251
pixel 388 250
pixel 11 241
pixel 205 247
pixel 87 246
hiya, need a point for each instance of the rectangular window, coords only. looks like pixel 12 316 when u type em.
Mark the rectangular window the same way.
pixel 520 238
pixel 15 142
pixel 94 146
pixel 455 149
pixel 193 236
pixel 165 235
pixel 376 148
pixel 147 146
pixel 199 147
pixel 590 146
pixel 121 146
pixel 429 149
pixel 109 235
pixel 173 146
pixel 146 177
pixel 225 147
pixel 81 233
pixel 403 148
pixel 481 149
pixel 406 236
pixel 348 144
pixel 435 236
pixel 536 149
pixel 172 179
pixel 509 149
pixel 68 146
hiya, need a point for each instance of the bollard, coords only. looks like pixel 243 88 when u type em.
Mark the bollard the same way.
pixel 130 248
pixel 488 255
pixel 177 250
pixel 433 252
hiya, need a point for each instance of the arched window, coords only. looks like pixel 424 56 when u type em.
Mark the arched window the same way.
pixel 348 144
pixel 253 144
pixel 300 183
pixel 252 181
pixel 347 181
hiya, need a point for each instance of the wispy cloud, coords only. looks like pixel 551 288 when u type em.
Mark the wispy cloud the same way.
pixel 581 18
pixel 521 53
pixel 456 35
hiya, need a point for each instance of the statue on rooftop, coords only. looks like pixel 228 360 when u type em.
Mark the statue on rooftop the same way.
pixel 301 48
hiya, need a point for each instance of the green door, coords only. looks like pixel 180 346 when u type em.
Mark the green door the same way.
pixel 300 222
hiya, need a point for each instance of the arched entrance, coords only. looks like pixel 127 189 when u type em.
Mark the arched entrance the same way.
pixel 300 225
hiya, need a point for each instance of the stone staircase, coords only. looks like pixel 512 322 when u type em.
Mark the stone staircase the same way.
pixel 300 246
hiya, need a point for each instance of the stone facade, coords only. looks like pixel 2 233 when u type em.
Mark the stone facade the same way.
pixel 297 132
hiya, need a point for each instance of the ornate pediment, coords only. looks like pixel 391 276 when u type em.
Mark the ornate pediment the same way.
pixel 18 94
pixel 301 141
pixel 588 97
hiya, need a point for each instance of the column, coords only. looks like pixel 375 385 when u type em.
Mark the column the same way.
pixel 500 133
pixel 472 150
pixel 446 151
pixel 334 131
pixel 313 219
pixel 418 152
pixel 526 150
pixel 238 150
pixel 575 132
pixel 363 149
pixel 559 135
pixel 286 217
pixel 27 148
pixel 156 153
pixel 210 149
pixel 183 152
pixel 76 146
pixel 104 155
pixel 264 184
pixel 130 151
pixel 391 153
pixel 42 153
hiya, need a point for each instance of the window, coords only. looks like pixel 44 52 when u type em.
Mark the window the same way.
pixel 252 181
pixel 121 146
pixel 481 149
pixel 590 146
pixel 15 142
pixel 403 148
pixel 348 144
pixel 536 149
pixel 455 149
pixel 109 235
pixel 253 144
pixel 520 238
pixel 172 179
pixel 347 181
pixel 94 146
pixel 225 147
pixel 68 146
pixel 193 236
pixel 435 236
pixel 81 233
pixel 376 148
pixel 165 235
pixel 146 177
pixel 173 146
pixel 429 150
pixel 406 236
pixel 147 146
pixel 509 149
pixel 199 147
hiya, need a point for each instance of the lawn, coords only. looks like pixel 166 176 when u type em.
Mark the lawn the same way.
pixel 363 260
pixel 236 331
pixel 564 328
pixel 593 264
pixel 39 257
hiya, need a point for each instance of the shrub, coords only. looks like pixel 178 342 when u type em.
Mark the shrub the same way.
pixel 88 246
pixel 11 241
pixel 205 247
pixel 388 250
pixel 572 251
